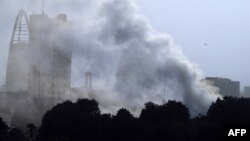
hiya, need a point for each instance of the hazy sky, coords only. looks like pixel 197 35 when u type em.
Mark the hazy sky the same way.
pixel 223 25
pixel 213 34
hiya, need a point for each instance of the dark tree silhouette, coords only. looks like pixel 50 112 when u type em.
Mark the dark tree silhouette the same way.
pixel 71 122
pixel 166 122
pixel 31 131
pixel 222 112
pixel 3 130
pixel 124 125
pixel 15 134
pixel 124 114
pixel 176 111
pixel 230 110
pixel 150 113
pixel 171 111
pixel 83 121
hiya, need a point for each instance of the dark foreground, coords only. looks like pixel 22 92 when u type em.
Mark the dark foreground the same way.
pixel 82 121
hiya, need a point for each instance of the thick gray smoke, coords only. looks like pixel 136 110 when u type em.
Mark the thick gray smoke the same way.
pixel 135 64
pixel 131 62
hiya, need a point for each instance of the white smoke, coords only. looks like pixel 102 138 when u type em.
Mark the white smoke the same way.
pixel 138 63
pixel 132 63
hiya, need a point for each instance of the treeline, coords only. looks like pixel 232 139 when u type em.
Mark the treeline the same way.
pixel 83 120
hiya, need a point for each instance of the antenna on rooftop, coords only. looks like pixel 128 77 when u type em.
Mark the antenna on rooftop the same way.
pixel 164 91
pixel 43 8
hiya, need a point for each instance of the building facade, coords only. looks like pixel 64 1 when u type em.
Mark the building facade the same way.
pixel 51 67
pixel 40 55
pixel 226 86
pixel 246 91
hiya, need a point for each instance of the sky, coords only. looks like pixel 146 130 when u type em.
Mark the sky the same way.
pixel 212 34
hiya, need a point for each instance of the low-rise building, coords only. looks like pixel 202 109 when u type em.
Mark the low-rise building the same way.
pixel 226 86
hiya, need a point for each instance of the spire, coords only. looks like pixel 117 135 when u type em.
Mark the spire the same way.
pixel 21 28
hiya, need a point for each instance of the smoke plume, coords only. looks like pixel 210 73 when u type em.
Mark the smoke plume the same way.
pixel 131 62
pixel 136 64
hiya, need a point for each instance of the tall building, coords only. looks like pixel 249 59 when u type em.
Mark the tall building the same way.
pixel 51 66
pixel 226 86
pixel 38 73
pixel 40 55
pixel 18 59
